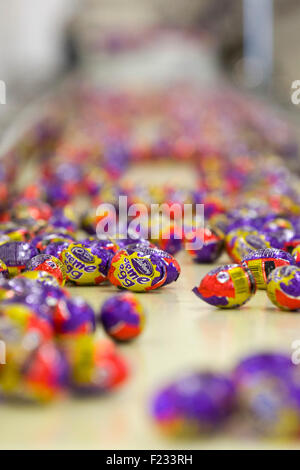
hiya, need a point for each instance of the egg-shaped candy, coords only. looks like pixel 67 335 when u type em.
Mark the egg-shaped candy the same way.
pixel 31 209
pixel 211 245
pixel 103 243
pixel 43 241
pixel 137 270
pixel 228 286
pixel 170 239
pixel 96 364
pixel 262 262
pixel 244 244
pixel 13 233
pixel 34 368
pixel 219 222
pixel 169 263
pixel 268 391
pixel 46 375
pixel 231 240
pixel 122 317
pixel 280 238
pixel 283 287
pixel 42 377
pixel 56 248
pixel 25 318
pixel 50 264
pixel 86 263
pixel 74 317
pixel 16 255
pixel 45 299
pixel 278 223
pixel 4 289
pixel 194 404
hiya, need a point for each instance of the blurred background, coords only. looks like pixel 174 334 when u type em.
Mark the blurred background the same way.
pixel 249 43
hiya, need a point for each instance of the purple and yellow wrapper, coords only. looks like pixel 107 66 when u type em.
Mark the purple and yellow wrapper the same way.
pixel 283 287
pixel 262 262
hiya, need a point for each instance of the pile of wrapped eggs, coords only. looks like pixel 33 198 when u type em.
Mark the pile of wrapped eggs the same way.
pixel 51 344
pixel 49 231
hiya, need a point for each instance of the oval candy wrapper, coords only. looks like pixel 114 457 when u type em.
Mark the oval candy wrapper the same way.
pixel 228 286
pixel 86 262
pixel 122 317
pixel 283 287
pixel 193 404
pixel 141 270
pixel 16 255
pixel 262 262
pixel 50 264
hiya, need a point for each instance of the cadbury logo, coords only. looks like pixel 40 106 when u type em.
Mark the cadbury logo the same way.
pixel 82 254
pixel 142 266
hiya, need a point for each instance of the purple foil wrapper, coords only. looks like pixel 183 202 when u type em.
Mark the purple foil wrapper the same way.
pixel 77 314
pixel 270 253
pixel 59 221
pixel 268 389
pixel 203 400
pixel 278 238
pixel 118 309
pixel 104 243
pixel 55 248
pixel 97 249
pixel 162 259
pixel 41 298
pixel 36 261
pixel 292 288
pixel 17 254
pixel 209 252
pixel 274 363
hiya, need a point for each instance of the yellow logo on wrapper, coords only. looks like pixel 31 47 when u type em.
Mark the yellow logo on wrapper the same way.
pixel 134 272
pixel 81 265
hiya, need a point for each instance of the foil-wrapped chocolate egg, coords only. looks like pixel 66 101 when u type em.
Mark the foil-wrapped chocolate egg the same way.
pixel 122 317
pixel 267 386
pixel 211 243
pixel 16 255
pixel 283 287
pixel 50 264
pixel 262 262
pixel 194 404
pixel 228 286
pixel 96 364
pixel 143 268
pixel 86 262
